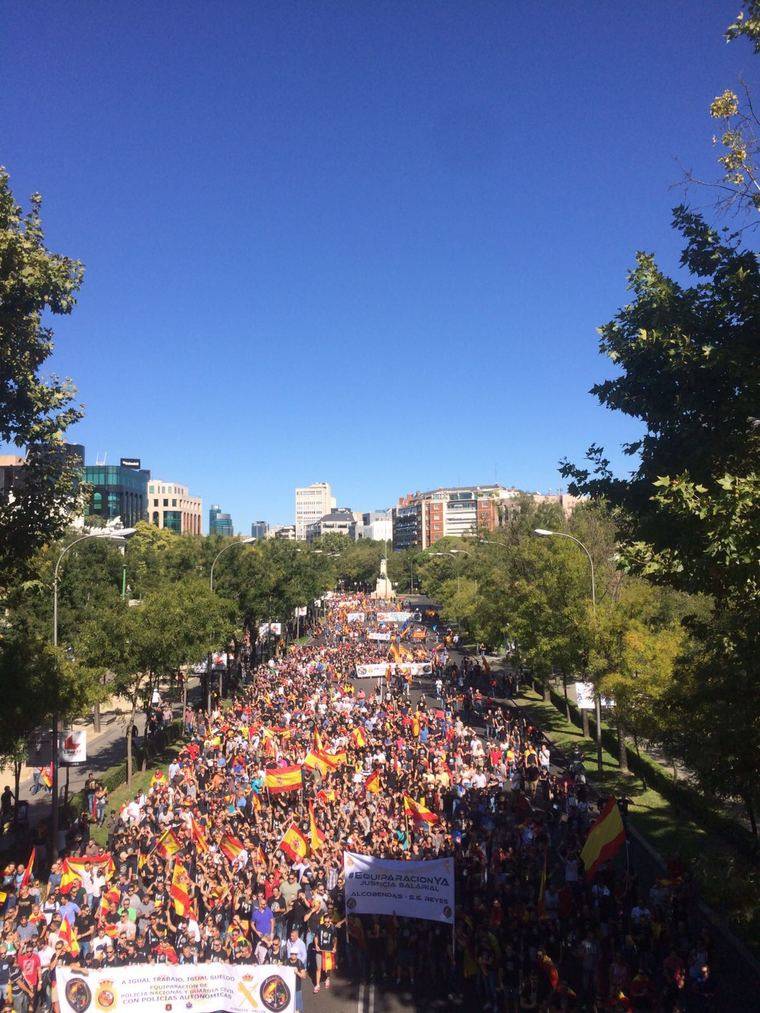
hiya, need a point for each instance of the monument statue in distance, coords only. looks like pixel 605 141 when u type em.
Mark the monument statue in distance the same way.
pixel 383 587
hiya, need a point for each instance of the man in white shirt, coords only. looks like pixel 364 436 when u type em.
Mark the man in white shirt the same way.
pixel 296 945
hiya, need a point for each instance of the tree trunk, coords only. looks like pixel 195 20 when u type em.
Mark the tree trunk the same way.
pixel 547 691
pixel 567 702
pixel 584 719
pixel 130 726
pixel 184 697
pixel 751 815
pixel 622 750
pixel 96 718
pixel 17 764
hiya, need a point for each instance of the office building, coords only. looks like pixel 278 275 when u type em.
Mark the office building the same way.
pixel 340 521
pixel 376 525
pixel 11 475
pixel 219 523
pixel 421 519
pixel 171 506
pixel 118 491
pixel 312 503
pixel 259 529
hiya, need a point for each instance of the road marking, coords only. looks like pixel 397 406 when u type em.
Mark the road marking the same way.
pixel 360 1003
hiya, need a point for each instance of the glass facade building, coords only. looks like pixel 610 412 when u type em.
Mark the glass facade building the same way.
pixel 117 491
pixel 219 523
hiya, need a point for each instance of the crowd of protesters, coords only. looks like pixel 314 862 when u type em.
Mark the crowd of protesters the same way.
pixel 531 932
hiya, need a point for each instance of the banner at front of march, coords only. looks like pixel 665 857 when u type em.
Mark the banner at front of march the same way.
pixel 393 617
pixel 371 671
pixel 407 889
pixel 155 988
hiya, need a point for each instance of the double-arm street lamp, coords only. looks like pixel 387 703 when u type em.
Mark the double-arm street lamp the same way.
pixel 117 536
pixel 545 533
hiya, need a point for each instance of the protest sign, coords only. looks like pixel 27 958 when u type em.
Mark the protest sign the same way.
pixel 406 889
pixel 393 617
pixel 371 671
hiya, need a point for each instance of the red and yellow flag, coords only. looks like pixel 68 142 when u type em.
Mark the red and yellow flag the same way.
pixel 335 759
pixel 318 747
pixel 316 836
pixel 159 777
pixel 197 835
pixel 605 838
pixel 179 891
pixel 318 761
pixel 231 847
pixel 372 784
pixel 107 899
pixel 419 813
pixel 28 869
pixel 326 795
pixel 167 844
pixel 358 738
pixel 68 937
pixel 294 844
pixel 73 868
pixel 279 779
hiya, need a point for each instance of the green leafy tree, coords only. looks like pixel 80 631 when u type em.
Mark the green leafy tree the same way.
pixel 689 514
pixel 35 412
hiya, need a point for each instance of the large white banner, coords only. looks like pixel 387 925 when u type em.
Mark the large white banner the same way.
pixel 72 746
pixel 409 889
pixel 355 617
pixel 378 635
pixel 371 671
pixel 415 667
pixel 393 617
pixel 155 988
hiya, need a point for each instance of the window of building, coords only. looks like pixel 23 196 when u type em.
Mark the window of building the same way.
pixel 97 502
pixel 174 502
pixel 155 517
pixel 166 502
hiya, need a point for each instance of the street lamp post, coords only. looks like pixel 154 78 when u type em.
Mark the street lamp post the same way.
pixel 545 533
pixel 118 537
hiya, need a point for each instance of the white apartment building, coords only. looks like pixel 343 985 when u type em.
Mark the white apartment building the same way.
pixel 312 503
pixel 376 525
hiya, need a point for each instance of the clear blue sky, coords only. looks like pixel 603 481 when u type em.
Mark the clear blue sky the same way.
pixel 361 242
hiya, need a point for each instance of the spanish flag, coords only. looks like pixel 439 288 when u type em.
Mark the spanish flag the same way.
pixel 279 779
pixel 28 869
pixel 46 776
pixel 418 812
pixel 605 838
pixel 158 778
pixel 259 858
pixel 294 844
pixel 372 784
pixel 317 741
pixel 179 891
pixel 75 868
pixel 68 937
pixel 358 738
pixel 318 761
pixel 197 835
pixel 316 836
pixel 231 847
pixel 167 844
pixel 326 795
pixel 335 759
pixel 109 898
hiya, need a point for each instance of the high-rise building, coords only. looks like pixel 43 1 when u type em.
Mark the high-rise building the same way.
pixel 259 529
pixel 312 503
pixel 118 491
pixel 219 523
pixel 171 506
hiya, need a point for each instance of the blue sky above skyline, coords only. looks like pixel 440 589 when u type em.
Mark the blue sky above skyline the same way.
pixel 363 243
